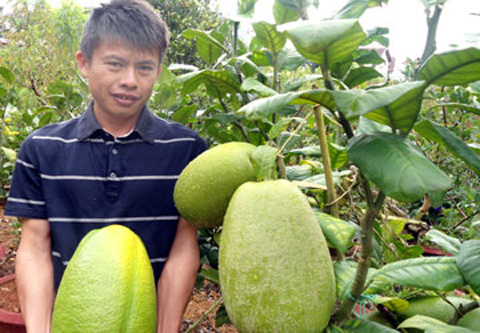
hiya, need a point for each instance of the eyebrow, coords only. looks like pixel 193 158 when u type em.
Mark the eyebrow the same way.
pixel 114 57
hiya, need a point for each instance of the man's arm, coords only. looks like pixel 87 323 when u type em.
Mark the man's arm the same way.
pixel 178 278
pixel 34 275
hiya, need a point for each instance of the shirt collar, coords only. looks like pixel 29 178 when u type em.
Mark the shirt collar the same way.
pixel 88 124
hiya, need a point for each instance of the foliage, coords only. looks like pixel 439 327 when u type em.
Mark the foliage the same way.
pixel 181 15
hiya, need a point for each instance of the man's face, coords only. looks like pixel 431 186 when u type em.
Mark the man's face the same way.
pixel 121 79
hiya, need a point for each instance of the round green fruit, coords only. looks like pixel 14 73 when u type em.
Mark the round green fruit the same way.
pixel 205 186
pixel 108 286
pixel 432 306
pixel 471 320
pixel 276 273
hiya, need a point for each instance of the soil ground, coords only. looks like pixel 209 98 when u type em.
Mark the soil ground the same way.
pixel 201 300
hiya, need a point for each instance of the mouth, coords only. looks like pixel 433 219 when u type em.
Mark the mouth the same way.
pixel 125 99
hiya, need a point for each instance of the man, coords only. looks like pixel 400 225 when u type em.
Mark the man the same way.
pixel 117 163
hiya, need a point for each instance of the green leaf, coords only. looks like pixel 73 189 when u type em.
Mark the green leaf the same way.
pixel 296 83
pixel 247 66
pixel 356 8
pixel 369 57
pixel 444 137
pixel 218 83
pixel 7 75
pixel 367 126
pixel 344 275
pixel 289 60
pixel 264 107
pixel 338 233
pixel 432 273
pixel 10 154
pixel 451 68
pixel 362 326
pixel 208 48
pixel 246 7
pixel 279 127
pixel 283 14
pixel 338 155
pixel 252 85
pixel 460 106
pixel 264 160
pixel 393 304
pixel 221 318
pixel 431 325
pixel 447 243
pixel 325 42
pixel 184 114
pixel 467 261
pixel 360 75
pixel 397 106
pixel 268 35
pixel 210 274
pixel 398 168
pixel 165 96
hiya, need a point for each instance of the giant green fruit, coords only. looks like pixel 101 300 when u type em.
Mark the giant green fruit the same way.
pixel 108 286
pixel 471 320
pixel 276 273
pixel 205 186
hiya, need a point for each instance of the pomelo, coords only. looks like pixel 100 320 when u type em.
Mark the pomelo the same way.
pixel 432 306
pixel 276 273
pixel 108 286
pixel 471 320
pixel 205 186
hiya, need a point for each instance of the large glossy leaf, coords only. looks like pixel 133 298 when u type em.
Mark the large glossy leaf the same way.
pixel 468 262
pixel 398 168
pixel 268 35
pixel 283 14
pixel 447 243
pixel 208 48
pixel 262 108
pixel 338 155
pixel 218 83
pixel 431 325
pixel 444 137
pixel 452 68
pixel 362 326
pixel 433 273
pixel 397 106
pixel 355 8
pixel 465 107
pixel 325 42
pixel 360 75
pixel 264 160
pixel 252 85
pixel 338 233
pixel 246 65
pixel 344 275
pixel 289 60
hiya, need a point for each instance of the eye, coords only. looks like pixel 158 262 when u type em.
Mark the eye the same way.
pixel 114 64
pixel 145 68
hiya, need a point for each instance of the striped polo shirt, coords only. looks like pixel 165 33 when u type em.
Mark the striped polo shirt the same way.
pixel 79 177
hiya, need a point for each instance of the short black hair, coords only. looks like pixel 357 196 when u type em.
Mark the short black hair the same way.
pixel 133 22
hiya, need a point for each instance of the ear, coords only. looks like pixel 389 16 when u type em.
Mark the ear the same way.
pixel 82 63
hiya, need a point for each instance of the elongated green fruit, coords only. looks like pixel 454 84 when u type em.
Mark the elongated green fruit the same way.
pixel 108 286
pixel 205 186
pixel 276 273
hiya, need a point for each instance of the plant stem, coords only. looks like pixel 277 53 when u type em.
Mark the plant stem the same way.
pixel 206 313
pixel 358 285
pixel 327 165
pixel 432 23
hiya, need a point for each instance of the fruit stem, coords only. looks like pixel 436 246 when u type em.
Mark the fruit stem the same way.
pixel 205 314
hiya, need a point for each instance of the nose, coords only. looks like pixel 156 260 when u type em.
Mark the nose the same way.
pixel 129 78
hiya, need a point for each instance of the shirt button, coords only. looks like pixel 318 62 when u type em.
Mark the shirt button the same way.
pixel 113 174
pixel 114 151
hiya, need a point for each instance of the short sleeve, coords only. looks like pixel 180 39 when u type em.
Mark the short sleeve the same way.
pixel 26 196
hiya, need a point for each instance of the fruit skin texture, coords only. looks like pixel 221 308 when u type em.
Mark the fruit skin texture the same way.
pixel 205 186
pixel 108 286
pixel 276 273
pixel 433 306
pixel 471 320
